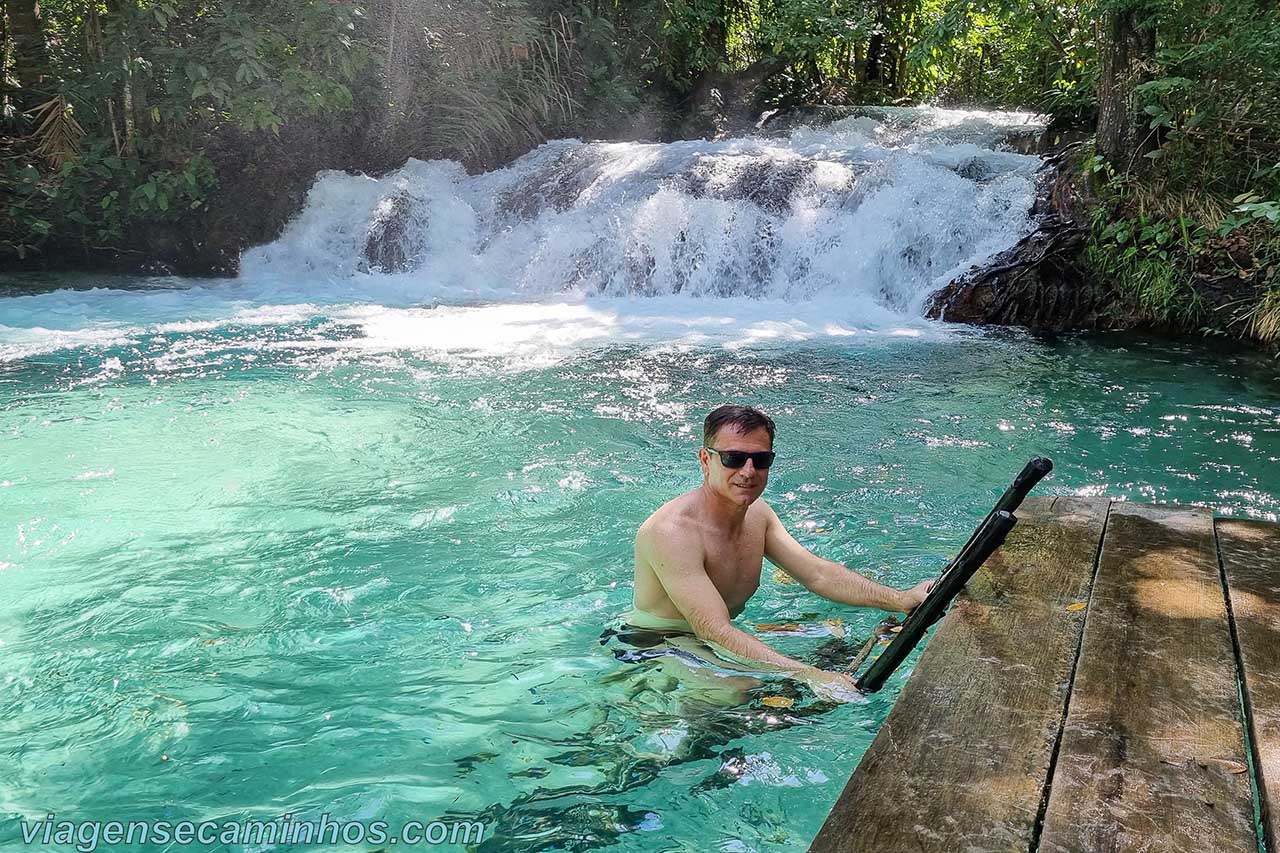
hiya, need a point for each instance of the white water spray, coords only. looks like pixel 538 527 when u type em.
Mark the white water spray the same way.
pixel 881 215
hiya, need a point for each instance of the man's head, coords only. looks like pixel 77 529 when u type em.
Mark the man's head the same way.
pixel 733 431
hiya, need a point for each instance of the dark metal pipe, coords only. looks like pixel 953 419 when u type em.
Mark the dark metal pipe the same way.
pixel 989 536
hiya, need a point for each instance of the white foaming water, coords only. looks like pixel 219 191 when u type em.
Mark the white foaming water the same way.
pixel 829 231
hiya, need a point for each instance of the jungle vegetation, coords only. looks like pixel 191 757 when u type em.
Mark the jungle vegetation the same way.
pixel 137 129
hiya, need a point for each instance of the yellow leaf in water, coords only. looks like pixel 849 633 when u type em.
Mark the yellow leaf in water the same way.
pixel 1079 605
pixel 782 577
pixel 835 626
pixel 778 626
pixel 895 629
pixel 777 702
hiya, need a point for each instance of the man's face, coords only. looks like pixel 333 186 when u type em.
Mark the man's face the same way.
pixel 739 485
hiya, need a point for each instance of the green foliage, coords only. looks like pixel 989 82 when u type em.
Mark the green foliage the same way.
pixel 995 53
pixel 1251 207
pixel 1142 256
pixel 1009 55
pixel 1264 317
pixel 97 197
pixel 695 39
pixel 1212 108
pixel 143 86
pixel 492 86
pixel 604 61
pixel 1186 261
pixel 1214 100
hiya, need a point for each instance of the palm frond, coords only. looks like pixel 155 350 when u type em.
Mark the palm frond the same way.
pixel 57 134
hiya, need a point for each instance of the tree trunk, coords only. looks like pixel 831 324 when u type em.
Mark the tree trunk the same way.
pixel 723 102
pixel 874 50
pixel 1126 44
pixel 889 68
pixel 30 52
pixel 127 103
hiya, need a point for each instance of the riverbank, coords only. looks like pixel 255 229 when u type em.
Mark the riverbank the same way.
pixel 1112 254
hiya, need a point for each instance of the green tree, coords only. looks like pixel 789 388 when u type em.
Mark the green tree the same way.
pixel 1126 50
pixel 137 92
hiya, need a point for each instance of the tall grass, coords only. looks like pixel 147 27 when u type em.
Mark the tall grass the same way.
pixel 476 81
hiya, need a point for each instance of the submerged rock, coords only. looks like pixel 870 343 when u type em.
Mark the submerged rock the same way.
pixel 396 241
pixel 555 185
pixel 770 183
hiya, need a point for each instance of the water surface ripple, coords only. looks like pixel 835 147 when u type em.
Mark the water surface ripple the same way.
pixel 244 576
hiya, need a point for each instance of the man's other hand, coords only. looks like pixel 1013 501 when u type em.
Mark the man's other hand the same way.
pixel 912 598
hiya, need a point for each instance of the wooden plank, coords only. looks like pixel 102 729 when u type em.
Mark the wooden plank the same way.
pixel 1152 754
pixel 961 762
pixel 1250 552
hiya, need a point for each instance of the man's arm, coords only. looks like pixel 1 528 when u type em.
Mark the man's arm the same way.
pixel 673 556
pixel 832 580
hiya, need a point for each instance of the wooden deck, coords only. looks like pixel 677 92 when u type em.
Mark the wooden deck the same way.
pixel 1110 681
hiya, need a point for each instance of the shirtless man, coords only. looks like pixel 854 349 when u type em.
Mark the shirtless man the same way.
pixel 699 557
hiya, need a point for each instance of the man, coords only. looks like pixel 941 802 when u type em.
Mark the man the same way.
pixel 699 557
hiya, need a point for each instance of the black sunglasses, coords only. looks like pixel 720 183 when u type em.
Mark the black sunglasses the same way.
pixel 737 458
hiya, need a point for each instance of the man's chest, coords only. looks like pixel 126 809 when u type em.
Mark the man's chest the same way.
pixel 734 564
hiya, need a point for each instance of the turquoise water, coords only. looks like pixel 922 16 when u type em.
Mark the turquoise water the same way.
pixel 263 568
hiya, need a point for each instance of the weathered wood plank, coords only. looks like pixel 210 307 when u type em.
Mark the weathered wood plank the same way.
pixel 1152 753
pixel 962 760
pixel 1250 552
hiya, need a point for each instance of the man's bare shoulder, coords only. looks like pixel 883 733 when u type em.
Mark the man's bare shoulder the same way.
pixel 675 519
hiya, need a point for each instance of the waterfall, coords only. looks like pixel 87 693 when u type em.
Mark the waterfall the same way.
pixel 817 231
pixel 875 211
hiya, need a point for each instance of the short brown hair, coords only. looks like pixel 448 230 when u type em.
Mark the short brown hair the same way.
pixel 743 418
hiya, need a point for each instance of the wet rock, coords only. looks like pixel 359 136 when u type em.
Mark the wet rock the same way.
pixel 769 183
pixel 783 121
pixel 396 242
pixel 555 186
pixel 157 267
pixel 975 169
pixel 1064 131
pixel 1024 140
